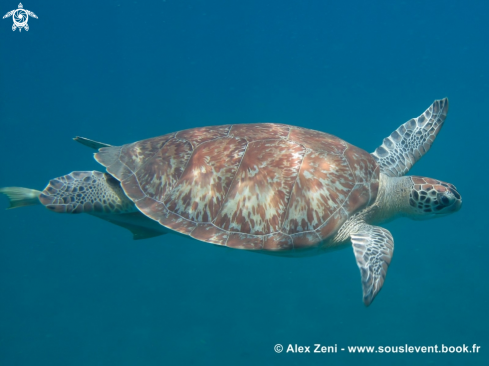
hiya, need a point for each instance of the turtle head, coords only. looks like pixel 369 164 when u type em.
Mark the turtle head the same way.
pixel 430 198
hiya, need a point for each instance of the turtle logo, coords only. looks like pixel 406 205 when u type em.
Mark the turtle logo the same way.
pixel 20 17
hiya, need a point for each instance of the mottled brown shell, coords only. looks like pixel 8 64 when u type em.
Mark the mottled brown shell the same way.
pixel 257 186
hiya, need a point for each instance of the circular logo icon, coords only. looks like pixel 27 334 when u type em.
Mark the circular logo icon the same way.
pixel 278 348
pixel 20 18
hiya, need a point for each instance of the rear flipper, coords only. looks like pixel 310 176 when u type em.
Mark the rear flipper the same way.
pixel 141 226
pixel 88 192
pixel 20 197
pixel 95 193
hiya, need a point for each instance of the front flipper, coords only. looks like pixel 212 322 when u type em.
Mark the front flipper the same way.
pixel 406 145
pixel 9 14
pixel 373 247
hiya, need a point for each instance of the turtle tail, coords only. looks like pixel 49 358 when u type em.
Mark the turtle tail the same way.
pixel 20 197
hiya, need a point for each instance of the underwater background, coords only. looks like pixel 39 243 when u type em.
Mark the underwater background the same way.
pixel 76 290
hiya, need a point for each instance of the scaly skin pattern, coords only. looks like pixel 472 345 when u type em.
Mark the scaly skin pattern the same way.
pixel 89 192
pixel 427 195
pixel 264 187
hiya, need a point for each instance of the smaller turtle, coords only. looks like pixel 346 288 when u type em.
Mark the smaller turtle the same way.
pixel 20 17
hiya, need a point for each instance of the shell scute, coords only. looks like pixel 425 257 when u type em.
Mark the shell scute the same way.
pixel 160 173
pixel 332 225
pixel 110 158
pixel 201 189
pixel 136 154
pixel 211 234
pixel 258 196
pixel 132 188
pixel 362 165
pixel 324 183
pixel 357 199
pixel 317 141
pixel 278 242
pixel 199 135
pixel 305 240
pixel 245 241
pixel 177 223
pixel 152 208
pixel 260 131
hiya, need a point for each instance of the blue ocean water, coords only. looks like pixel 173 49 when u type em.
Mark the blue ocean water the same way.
pixel 79 291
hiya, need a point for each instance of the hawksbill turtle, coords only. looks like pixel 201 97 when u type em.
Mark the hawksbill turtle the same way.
pixel 269 188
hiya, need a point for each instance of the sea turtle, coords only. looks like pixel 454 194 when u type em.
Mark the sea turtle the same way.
pixel 20 17
pixel 269 188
